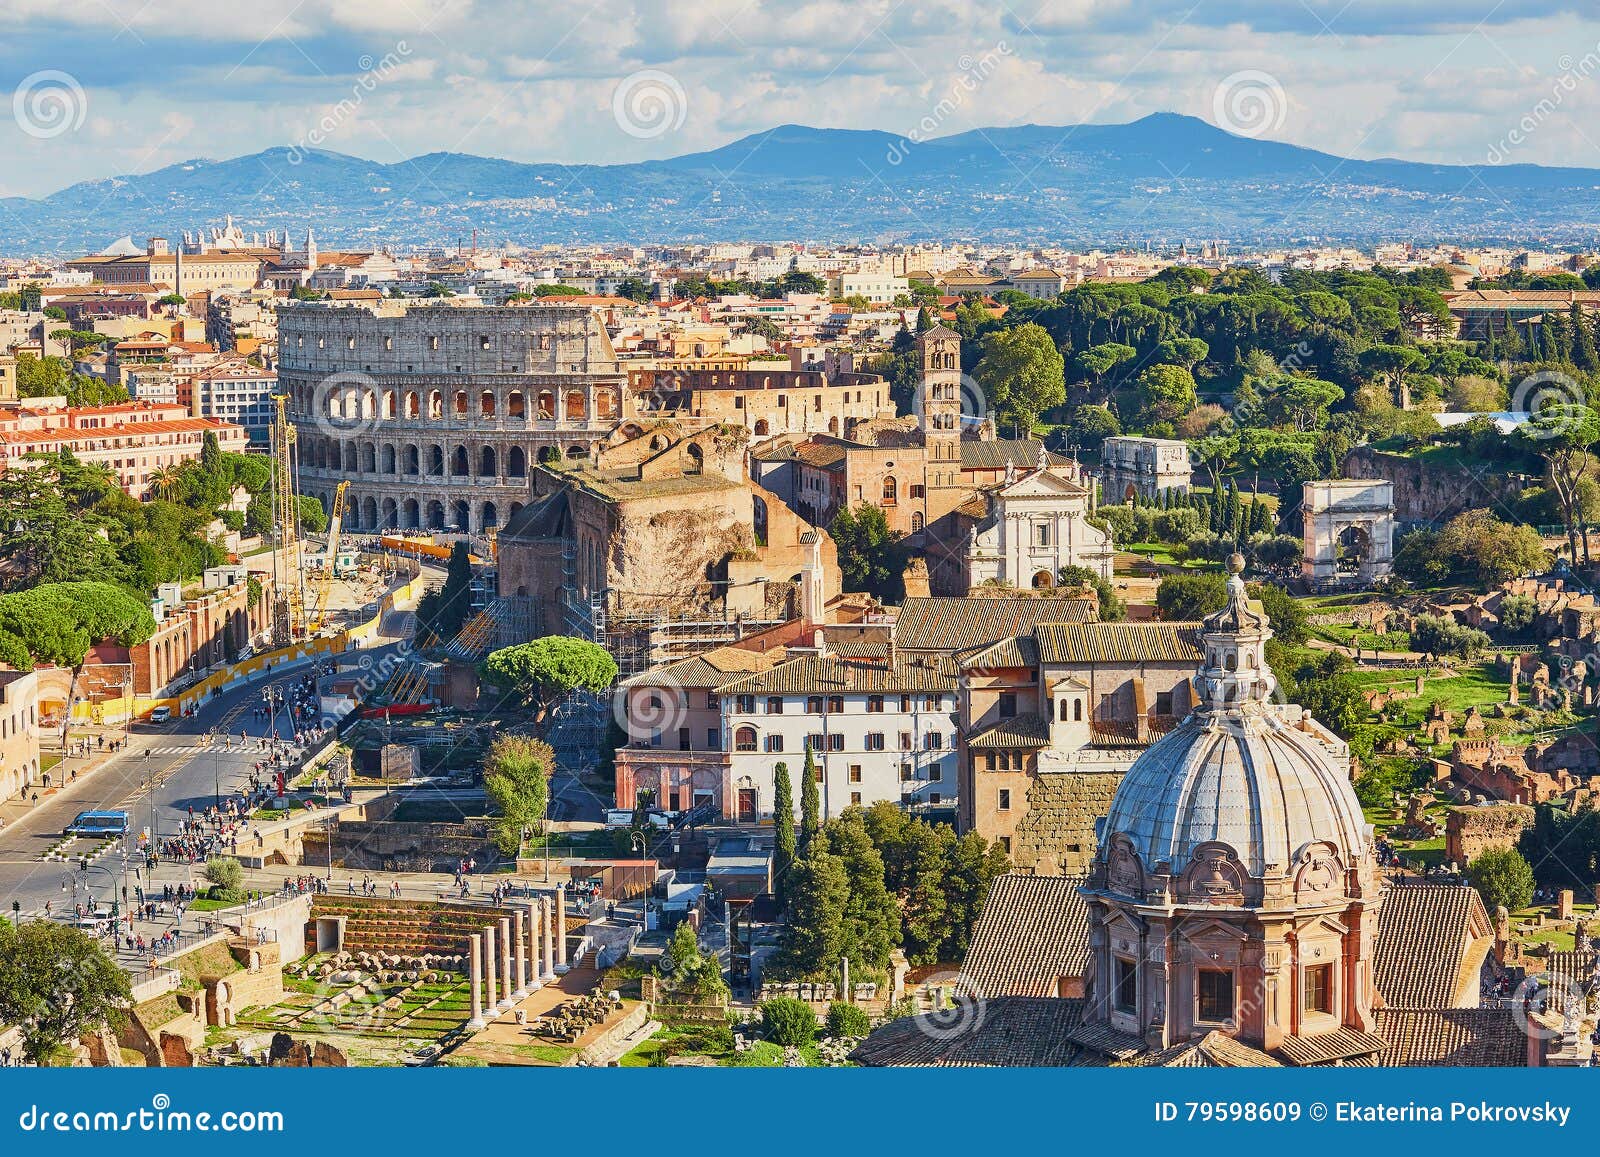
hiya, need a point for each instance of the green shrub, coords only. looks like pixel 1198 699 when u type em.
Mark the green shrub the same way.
pixel 226 877
pixel 787 1021
pixel 847 1020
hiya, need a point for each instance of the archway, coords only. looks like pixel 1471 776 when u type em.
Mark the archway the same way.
pixel 388 458
pixel 486 462
pixel 369 514
pixel 577 406
pixel 486 404
pixel 435 461
pixel 489 517
pixel 410 458
pixel 391 512
pixel 436 515
pixel 1043 580
pixel 459 463
pixel 411 514
pixel 514 404
pixel 461 516
pixel 516 462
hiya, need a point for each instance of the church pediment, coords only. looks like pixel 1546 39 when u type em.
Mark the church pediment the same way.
pixel 1042 484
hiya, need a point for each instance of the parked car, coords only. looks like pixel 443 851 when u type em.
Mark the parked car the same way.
pixel 161 715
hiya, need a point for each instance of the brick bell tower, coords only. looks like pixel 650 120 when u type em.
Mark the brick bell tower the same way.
pixel 939 399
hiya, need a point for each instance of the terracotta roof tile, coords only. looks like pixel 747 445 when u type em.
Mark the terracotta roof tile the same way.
pixel 1428 936
pixel 1452 1037
pixel 1119 643
pixel 1032 931
pixel 1013 1032
pixel 962 624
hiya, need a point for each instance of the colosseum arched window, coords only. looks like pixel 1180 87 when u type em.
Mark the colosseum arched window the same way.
pixel 515 404
pixel 435 405
pixel 388 458
pixel 516 462
pixel 458 404
pixel 577 406
pixel 547 405
pixel 486 462
pixel 459 465
pixel 410 459
pixel 486 405
pixel 413 408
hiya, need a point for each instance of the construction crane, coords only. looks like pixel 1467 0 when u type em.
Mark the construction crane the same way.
pixel 331 562
pixel 288 579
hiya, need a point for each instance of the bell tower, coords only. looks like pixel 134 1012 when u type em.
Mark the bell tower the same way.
pixel 939 396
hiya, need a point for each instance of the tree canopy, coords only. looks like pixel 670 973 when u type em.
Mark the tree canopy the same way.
pixel 56 984
pixel 543 672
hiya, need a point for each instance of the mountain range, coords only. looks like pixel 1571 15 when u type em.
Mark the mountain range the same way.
pixel 1160 179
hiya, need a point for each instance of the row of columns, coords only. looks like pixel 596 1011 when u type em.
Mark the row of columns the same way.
pixel 517 954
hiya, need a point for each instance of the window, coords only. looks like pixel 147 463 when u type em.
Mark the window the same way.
pixel 713 701
pixel 936 773
pixel 933 703
pixel 1041 534
pixel 933 741
pixel 935 798
pixel 916 490
pixel 1008 705
pixel 818 775
pixel 1005 844
pixel 905 703
pixel 1214 995
pixel 774 705
pixel 855 799
pixel 1005 799
pixel 874 741
pixel 875 704
pixel 744 739
pixel 713 738
pixel 1125 985
pixel 774 743
pixel 906 741
pixel 746 705
pixel 907 774
pixel 1163 702
pixel 684 743
pixel 1319 988
pixel 813 704
pixel 836 704
pixel 835 743
pixel 855 773
pixel 817 742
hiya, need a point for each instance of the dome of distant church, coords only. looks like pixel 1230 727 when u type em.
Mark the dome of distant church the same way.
pixel 1236 785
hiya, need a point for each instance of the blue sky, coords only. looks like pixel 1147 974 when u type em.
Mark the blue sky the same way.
pixel 124 86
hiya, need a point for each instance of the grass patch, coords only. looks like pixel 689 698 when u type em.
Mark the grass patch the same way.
pixel 213 905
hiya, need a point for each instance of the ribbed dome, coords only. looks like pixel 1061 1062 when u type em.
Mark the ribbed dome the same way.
pixel 1247 780
pixel 1235 772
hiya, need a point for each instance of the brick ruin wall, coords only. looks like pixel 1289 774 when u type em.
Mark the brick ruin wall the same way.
pixel 1471 831
pixel 1056 835
pixel 1424 493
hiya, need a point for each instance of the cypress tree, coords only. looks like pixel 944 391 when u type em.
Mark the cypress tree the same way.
pixel 810 802
pixel 1235 514
pixel 783 847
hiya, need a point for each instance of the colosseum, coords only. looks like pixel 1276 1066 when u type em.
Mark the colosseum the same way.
pixel 433 411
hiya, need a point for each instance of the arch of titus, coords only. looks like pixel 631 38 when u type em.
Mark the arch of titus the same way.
pixel 1333 509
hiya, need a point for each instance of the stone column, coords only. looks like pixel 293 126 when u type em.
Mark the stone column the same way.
pixel 561 927
pixel 546 910
pixel 520 933
pixel 535 970
pixel 508 978
pixel 489 997
pixel 477 983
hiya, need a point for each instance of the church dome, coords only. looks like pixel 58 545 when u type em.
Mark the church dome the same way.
pixel 1238 783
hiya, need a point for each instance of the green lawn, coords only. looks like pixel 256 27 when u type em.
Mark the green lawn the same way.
pixel 1361 637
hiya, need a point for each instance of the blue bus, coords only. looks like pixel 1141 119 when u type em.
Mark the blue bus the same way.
pixel 103 824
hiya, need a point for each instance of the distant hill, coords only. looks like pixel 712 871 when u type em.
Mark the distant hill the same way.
pixel 1163 178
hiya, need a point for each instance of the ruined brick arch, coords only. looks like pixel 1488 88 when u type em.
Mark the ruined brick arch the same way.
pixel 435 405
pixel 516 404
pixel 461 516
pixel 488 516
pixel 760 428
pixel 390 514
pixel 547 405
pixel 605 405
pixel 487 404
pixel 629 432
pixel 458 404
pixel 516 462
pixel 511 513
pixel 435 515
pixel 369 513
pixel 577 409
pixel 413 406
pixel 577 451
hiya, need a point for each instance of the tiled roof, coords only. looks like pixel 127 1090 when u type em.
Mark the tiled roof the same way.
pixel 1331 1046
pixel 1119 643
pixel 1097 1036
pixel 1452 1037
pixel 1011 1032
pixel 823 455
pixel 1024 453
pixel 704 672
pixel 1018 651
pixel 832 675
pixel 962 624
pixel 1027 730
pixel 1570 974
pixel 1215 1050
pixel 1032 931
pixel 1423 950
